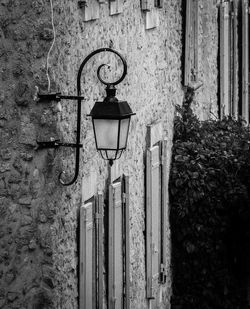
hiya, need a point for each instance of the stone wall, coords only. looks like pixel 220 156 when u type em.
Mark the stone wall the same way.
pixel 39 217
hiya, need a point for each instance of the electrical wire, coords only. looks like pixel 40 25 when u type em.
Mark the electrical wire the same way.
pixel 53 42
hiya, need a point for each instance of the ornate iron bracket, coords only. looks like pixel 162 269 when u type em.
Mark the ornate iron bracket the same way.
pixel 56 144
pixel 58 97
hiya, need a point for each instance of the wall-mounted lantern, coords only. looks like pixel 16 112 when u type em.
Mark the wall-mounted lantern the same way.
pixel 110 118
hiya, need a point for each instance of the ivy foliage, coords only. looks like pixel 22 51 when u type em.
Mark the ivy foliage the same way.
pixel 210 212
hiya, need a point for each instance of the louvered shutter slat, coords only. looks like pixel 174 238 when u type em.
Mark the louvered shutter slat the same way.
pixel 153 214
pixel 127 241
pixel 99 214
pixel 118 262
pixel 187 43
pixel 245 60
pixel 164 209
pixel 115 6
pixel 91 10
pixel 111 251
pixel 196 30
pixel 115 247
pixel 87 257
pixel 235 111
pixel 224 59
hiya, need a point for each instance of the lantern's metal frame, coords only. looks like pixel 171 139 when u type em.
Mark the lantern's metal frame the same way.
pixel 114 110
pixel 58 97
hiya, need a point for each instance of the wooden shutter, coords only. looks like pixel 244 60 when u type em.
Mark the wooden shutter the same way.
pixel 152 19
pixel 245 60
pixel 87 257
pixel 115 276
pixel 187 69
pixel 146 5
pixel 159 3
pixel 115 6
pixel 164 211
pixel 194 47
pixel 191 42
pixel 91 9
pixel 224 59
pixel 99 249
pixel 234 66
pixel 127 241
pixel 153 215
pixel 91 254
pixel 119 261
pixel 151 12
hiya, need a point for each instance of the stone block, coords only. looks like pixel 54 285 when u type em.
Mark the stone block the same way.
pixel 5 154
pixel 17 164
pixel 14 178
pixel 22 94
pixel 46 34
pixel 4 167
pixel 26 220
pixel 38 6
pixel 28 134
pixel 10 277
pixel 26 156
pixel 32 244
pixel 26 201
pixel 42 299
pixel 2 123
pixel 2 302
pixel 42 217
pixel 11 296
pixel 2 94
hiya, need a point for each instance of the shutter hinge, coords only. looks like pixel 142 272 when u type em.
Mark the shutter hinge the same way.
pixel 124 197
pixel 163 275
pixel 98 216
pixel 163 268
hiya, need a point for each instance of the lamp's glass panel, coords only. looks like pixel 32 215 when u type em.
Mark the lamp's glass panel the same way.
pixel 111 154
pixel 119 153
pixel 106 131
pixel 124 127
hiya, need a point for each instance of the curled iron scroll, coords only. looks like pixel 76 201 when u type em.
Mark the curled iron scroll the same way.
pixel 78 132
pixel 102 65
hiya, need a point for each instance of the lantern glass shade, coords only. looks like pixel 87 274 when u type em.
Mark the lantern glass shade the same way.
pixel 111 136
pixel 111 120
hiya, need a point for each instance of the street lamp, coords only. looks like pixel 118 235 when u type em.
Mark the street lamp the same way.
pixel 110 118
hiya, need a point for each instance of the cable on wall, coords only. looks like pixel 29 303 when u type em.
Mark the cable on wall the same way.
pixel 53 42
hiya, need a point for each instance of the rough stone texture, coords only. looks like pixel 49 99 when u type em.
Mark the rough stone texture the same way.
pixel 38 217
